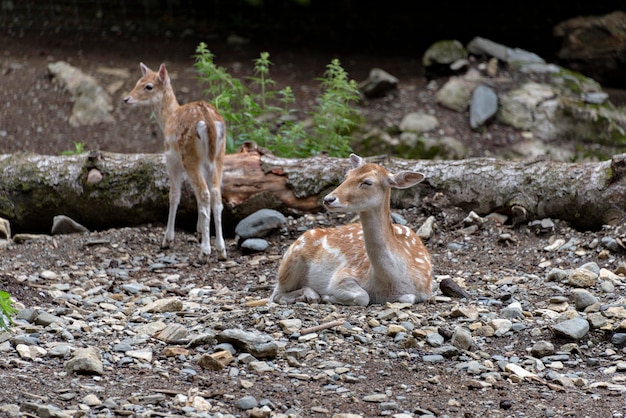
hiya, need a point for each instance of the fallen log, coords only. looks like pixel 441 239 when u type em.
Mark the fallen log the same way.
pixel 105 190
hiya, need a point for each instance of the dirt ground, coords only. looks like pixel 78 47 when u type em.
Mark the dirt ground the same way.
pixel 495 268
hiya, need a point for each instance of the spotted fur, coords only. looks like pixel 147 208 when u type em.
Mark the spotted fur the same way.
pixel 373 261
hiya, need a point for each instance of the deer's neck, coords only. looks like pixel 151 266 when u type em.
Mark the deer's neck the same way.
pixel 379 240
pixel 165 108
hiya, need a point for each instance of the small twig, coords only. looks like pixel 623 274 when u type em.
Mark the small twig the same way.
pixel 326 325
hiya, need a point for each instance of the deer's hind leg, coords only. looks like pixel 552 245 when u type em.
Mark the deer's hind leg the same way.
pixel 193 163
pixel 214 170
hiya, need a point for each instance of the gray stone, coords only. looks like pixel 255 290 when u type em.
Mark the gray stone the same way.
pixel 583 299
pixel 418 122
pixel 444 53
pixel 378 83
pixel 92 104
pixel 85 361
pixel 247 402
pixel 254 342
pixel 483 46
pixel 455 94
pixel 483 105
pixel 260 223
pixel 574 329
pixel 5 229
pixel 542 348
pixel 462 338
pixel 619 338
pixel 62 224
pixel 254 245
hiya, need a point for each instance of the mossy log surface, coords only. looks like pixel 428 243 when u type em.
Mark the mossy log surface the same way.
pixel 133 189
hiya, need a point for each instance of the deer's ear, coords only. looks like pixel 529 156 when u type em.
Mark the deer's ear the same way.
pixel 356 161
pixel 163 76
pixel 405 179
pixel 144 68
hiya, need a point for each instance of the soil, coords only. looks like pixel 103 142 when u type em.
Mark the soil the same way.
pixel 497 264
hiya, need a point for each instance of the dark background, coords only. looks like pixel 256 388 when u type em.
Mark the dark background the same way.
pixel 360 26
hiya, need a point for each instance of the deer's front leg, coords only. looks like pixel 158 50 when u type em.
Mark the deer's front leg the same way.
pixel 305 294
pixel 345 290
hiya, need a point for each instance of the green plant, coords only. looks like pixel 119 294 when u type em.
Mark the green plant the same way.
pixel 333 117
pixel 267 116
pixel 79 148
pixel 6 310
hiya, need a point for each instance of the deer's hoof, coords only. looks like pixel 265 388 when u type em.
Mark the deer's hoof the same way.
pixel 221 255
pixel 203 258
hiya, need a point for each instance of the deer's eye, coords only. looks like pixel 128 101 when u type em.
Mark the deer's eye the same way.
pixel 149 87
pixel 367 182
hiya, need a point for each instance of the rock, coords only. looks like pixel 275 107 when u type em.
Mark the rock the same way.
pixel 595 46
pixel 418 122
pixel 258 344
pixel 94 176
pixel 542 348
pixel 619 339
pixel 450 288
pixel 254 245
pixel 500 326
pixel 456 94
pixel 172 333
pixel 62 224
pixel 85 361
pixel 425 231
pixel 582 278
pixel 512 311
pixel 260 223
pixel 469 311
pixel 573 329
pixel 532 107
pixel 485 47
pixel 378 84
pixel 557 275
pixel 215 361
pixel 483 105
pixel 5 229
pixel 462 338
pixel 144 354
pixel 164 305
pixel 289 326
pixel 92 104
pixel 439 56
pixel 583 299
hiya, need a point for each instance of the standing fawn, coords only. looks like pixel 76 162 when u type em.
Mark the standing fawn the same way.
pixel 195 143
pixel 374 261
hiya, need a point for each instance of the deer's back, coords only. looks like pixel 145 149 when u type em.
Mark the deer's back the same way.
pixel 181 129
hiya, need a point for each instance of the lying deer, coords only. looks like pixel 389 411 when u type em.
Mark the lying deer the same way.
pixel 195 141
pixel 374 261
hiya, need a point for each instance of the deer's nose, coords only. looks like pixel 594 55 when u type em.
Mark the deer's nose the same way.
pixel 329 199
pixel 126 99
